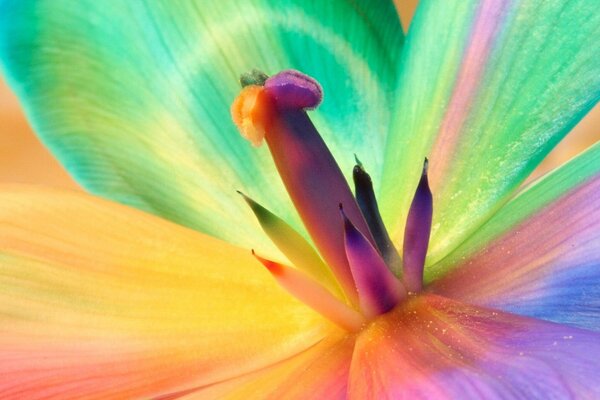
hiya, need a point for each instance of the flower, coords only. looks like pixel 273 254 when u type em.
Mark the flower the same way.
pixel 100 300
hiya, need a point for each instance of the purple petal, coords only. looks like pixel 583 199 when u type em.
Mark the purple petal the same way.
pixel 435 348
pixel 416 234
pixel 540 255
pixel 378 289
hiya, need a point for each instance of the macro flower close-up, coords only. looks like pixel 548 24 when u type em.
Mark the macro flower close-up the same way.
pixel 299 199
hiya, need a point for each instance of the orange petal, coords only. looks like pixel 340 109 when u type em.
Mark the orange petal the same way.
pixel 320 372
pixel 102 301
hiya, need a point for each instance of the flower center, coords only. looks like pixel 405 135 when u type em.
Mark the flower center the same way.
pixel 358 273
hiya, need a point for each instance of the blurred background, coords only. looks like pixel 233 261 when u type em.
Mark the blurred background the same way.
pixel 23 159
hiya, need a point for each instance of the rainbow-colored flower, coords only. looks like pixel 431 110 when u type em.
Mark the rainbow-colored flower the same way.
pixel 446 282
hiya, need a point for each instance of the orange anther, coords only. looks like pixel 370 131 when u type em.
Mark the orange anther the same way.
pixel 250 112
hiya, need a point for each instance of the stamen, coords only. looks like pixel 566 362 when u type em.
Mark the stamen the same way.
pixel 308 170
pixel 300 253
pixel 249 113
pixel 365 197
pixel 359 262
pixel 378 289
pixel 416 234
pixel 314 295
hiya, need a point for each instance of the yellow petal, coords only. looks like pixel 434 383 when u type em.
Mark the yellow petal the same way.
pixel 320 372
pixel 99 300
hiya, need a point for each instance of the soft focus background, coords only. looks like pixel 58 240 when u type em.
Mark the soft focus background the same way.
pixel 23 159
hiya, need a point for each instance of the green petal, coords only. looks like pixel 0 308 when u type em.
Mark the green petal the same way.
pixel 133 96
pixel 487 89
pixel 296 248
pixel 574 176
pixel 539 254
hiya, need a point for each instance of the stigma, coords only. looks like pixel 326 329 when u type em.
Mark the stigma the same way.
pixel 355 261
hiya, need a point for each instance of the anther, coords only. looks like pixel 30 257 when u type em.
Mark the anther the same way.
pixel 292 89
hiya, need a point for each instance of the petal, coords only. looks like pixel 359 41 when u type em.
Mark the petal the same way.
pixel 365 197
pixel 540 254
pixel 134 98
pixel 297 249
pixel 487 89
pixel 435 348
pixel 99 300
pixel 321 372
pixel 377 287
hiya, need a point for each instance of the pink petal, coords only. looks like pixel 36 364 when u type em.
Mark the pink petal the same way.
pixel 435 348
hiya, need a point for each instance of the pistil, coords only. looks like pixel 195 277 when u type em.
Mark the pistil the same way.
pixel 359 274
pixel 306 166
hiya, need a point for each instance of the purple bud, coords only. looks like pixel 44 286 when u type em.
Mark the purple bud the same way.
pixel 292 89
pixel 416 233
pixel 378 289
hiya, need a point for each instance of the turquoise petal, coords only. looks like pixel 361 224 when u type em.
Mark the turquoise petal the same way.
pixel 133 96
pixel 540 254
pixel 487 89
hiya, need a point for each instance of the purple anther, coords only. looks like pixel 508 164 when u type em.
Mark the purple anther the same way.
pixel 292 89
pixel 416 234
pixel 378 289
